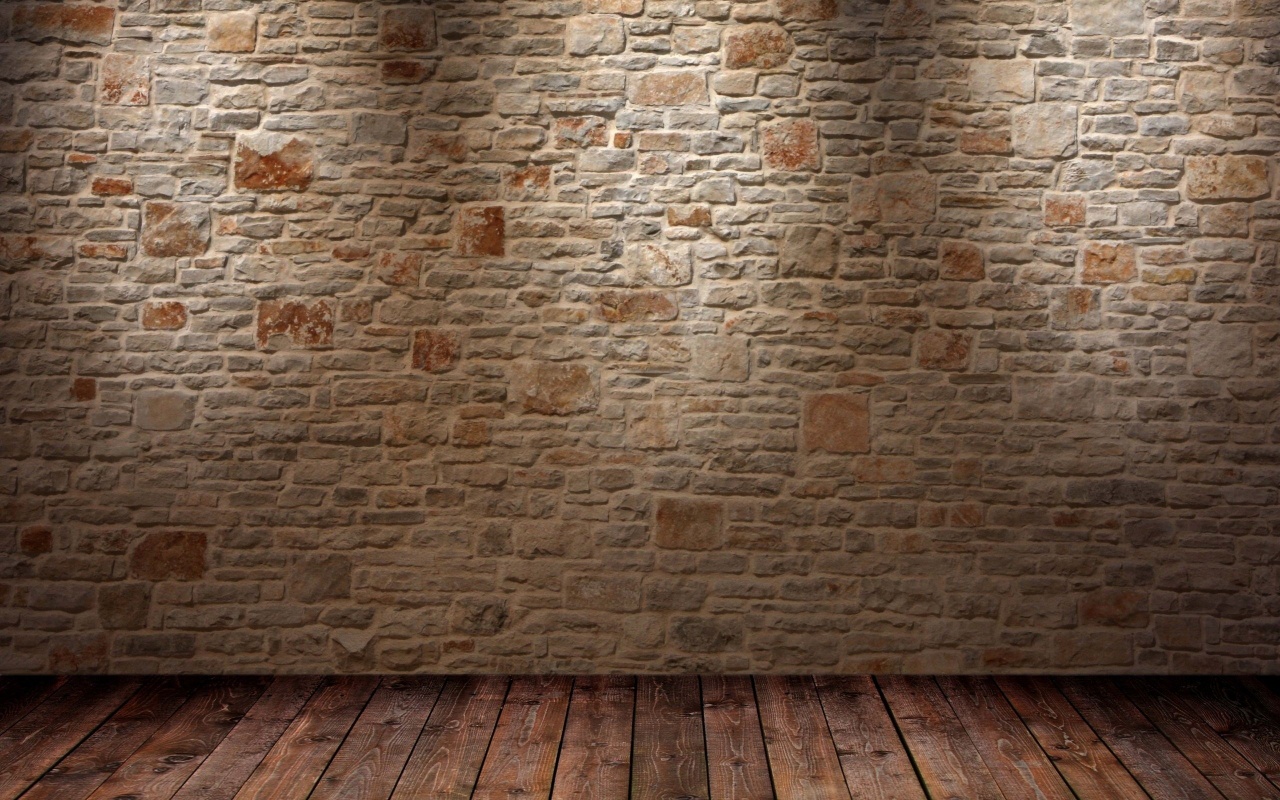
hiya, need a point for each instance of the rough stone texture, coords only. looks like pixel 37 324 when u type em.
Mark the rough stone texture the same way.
pixel 760 336
pixel 273 163
pixel 235 32
pixel 126 80
pixel 175 229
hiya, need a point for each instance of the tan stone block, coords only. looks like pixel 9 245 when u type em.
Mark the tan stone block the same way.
pixel 232 32
pixel 630 306
pixel 654 426
pixel 175 229
pixel 112 187
pixel 907 197
pixel 570 133
pixel 1064 210
pixel 555 388
pixel 721 358
pixel 688 524
pixel 126 80
pixel 595 35
pixel 163 410
pixel 683 88
pixel 662 265
pixel 810 251
pixel 628 8
pixel 837 423
pixel 1008 81
pixel 598 592
pixel 525 184
pixel 1045 130
pixel 1238 177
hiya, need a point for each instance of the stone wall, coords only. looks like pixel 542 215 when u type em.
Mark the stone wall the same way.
pixel 640 335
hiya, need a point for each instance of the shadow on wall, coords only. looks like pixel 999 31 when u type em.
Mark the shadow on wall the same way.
pixel 644 335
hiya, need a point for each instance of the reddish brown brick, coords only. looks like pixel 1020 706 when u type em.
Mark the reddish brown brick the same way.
pixel 986 142
pixel 436 350
pixel 396 73
pixel 400 268
pixel 837 423
pixel 274 163
pixel 1064 210
pixel 175 229
pixel 36 540
pixel 791 144
pixel 689 524
pixel 528 183
pixel 408 28
pixel 74 23
pixel 758 46
pixel 689 216
pixel 1109 263
pixel 176 555
pixel 481 232
pixel 960 261
pixel 168 316
pixel 84 390
pixel 112 187
pixel 948 350
pixel 305 324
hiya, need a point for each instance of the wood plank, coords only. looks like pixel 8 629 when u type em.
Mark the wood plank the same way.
pixel 446 760
pixel 802 756
pixel 945 756
pixel 1082 759
pixel 56 727
pixel 522 756
pixel 595 757
pixel 1151 758
pixel 737 767
pixel 235 758
pixel 90 764
pixel 160 767
pixel 1217 760
pixel 1013 755
pixel 875 761
pixel 21 694
pixel 669 759
pixel 1234 713
pixel 369 762
pixel 292 767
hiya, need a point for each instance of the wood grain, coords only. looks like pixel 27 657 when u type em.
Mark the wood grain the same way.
pixel 93 762
pixel 1013 755
pixel 595 757
pixel 55 727
pixel 1234 713
pixel 235 758
pixel 290 770
pixel 875 761
pixel 1082 759
pixel 737 766
pixel 159 768
pixel 522 756
pixel 1216 759
pixel 369 762
pixel 669 759
pixel 945 756
pixel 1145 752
pixel 802 756
pixel 446 760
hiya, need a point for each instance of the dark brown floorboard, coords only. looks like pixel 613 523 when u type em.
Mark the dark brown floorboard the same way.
pixel 622 738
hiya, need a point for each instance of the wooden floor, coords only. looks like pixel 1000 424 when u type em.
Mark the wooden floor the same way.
pixel 905 738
